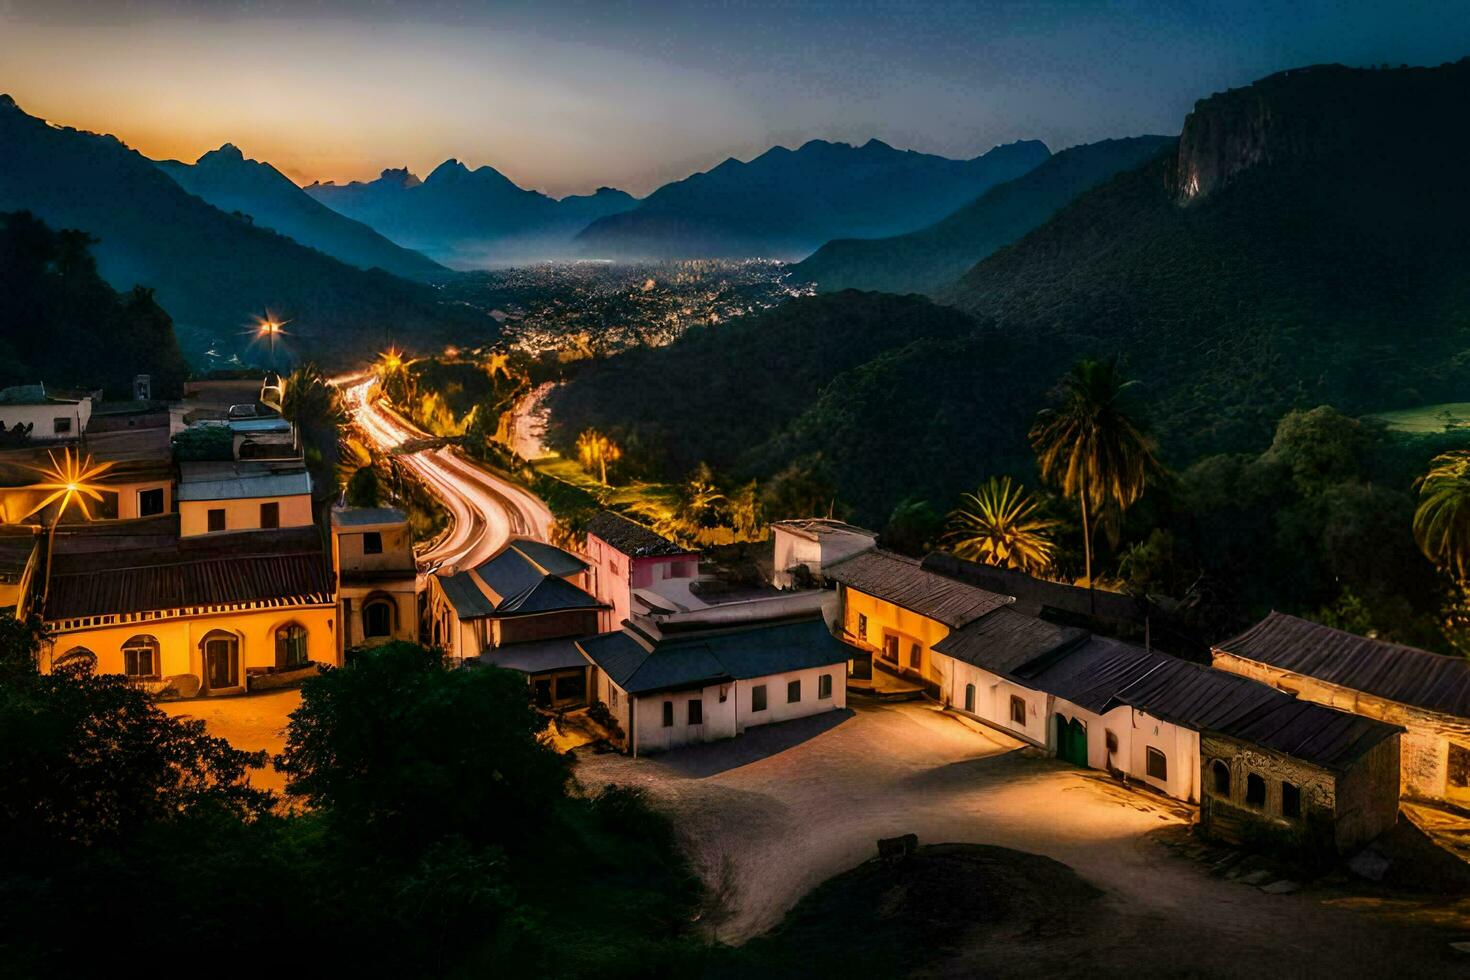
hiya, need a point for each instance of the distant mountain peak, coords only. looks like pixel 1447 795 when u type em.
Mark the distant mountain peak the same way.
pixel 229 151
pixel 449 169
pixel 6 102
pixel 400 175
pixel 875 144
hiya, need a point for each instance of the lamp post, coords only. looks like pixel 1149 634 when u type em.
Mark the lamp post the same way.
pixel 269 328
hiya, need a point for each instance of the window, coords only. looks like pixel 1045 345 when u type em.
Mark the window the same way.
pixel 758 698
pixel 1220 773
pixel 696 712
pixel 1457 773
pixel 140 658
pixel 862 626
pixel 61 425
pixel 612 696
pixel 890 649
pixel 1291 800
pixel 372 543
pixel 150 502
pixel 970 698
pixel 291 647
pixel 793 691
pixel 217 519
pixel 916 656
pixel 377 618
pixel 1155 764
pixel 571 687
pixel 270 514
pixel 824 687
pixel 1018 710
pixel 1255 790
pixel 668 714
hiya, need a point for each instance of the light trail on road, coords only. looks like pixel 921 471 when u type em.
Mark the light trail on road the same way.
pixel 485 510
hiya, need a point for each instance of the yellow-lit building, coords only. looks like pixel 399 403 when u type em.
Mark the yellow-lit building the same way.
pixel 243 495
pixel 377 601
pixel 211 614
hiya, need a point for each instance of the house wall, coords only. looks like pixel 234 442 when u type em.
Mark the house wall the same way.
pixel 242 514
pixel 719 718
pixel 1180 746
pixel 1368 796
pixel 397 549
pixel 127 496
pixel 179 641
pixel 614 697
pixel 884 618
pixel 778 708
pixel 613 576
pixel 547 626
pixel 993 699
pixel 1424 751
pixel 42 419
pixel 791 550
pixel 405 612
pixel 1119 721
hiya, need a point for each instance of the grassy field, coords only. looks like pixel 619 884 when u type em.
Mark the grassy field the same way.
pixel 650 501
pixel 1428 418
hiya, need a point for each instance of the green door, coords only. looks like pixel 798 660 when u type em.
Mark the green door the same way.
pixel 1071 739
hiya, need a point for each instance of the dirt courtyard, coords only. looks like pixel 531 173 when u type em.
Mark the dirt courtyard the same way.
pixel 772 814
pixel 251 722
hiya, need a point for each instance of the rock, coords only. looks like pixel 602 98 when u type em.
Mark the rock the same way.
pixel 1282 887
pixel 893 849
pixel 1256 878
pixel 1369 864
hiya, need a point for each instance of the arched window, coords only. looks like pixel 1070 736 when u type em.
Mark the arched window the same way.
pixel 1255 790
pixel 1221 772
pixel 77 658
pixel 291 646
pixel 377 618
pixel 140 657
pixel 970 698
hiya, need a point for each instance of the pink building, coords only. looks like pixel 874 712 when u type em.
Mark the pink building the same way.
pixel 627 556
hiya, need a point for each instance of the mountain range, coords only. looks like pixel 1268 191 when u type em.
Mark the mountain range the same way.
pixel 931 258
pixel 1303 244
pixel 211 270
pixel 232 183
pixel 469 218
pixel 786 203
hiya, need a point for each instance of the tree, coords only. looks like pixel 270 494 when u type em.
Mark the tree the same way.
pixel 370 745
pixel 1442 519
pixel 363 489
pixel 1091 447
pixel 20 644
pixel 912 527
pixel 596 450
pixel 999 525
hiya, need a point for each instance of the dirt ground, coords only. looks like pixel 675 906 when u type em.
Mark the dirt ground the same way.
pixel 771 815
pixel 251 722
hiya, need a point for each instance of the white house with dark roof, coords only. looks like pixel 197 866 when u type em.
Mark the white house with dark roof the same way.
pixel 528 591
pixel 1428 694
pixel 801 548
pixel 668 688
pixel 626 556
pixel 46 417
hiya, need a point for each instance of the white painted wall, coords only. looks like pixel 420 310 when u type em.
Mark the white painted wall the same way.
pixel 42 419
pixel 993 699
pixel 778 708
pixel 718 723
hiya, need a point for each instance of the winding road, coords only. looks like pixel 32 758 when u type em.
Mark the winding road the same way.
pixel 485 510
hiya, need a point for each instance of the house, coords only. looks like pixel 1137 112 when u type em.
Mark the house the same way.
pixel 377 594
pixel 243 495
pixel 46 416
pixel 804 547
pixel 703 683
pixel 626 556
pixel 1426 693
pixel 527 591
pixel 270 437
pixel 556 670
pixel 897 610
pixel 139 482
pixel 213 614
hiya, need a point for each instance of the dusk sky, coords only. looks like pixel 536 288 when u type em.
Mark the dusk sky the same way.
pixel 567 96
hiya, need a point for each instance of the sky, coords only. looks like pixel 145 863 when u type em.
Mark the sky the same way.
pixel 568 96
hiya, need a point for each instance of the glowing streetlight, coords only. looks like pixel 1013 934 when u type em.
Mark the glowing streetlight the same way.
pixel 268 326
pixel 69 479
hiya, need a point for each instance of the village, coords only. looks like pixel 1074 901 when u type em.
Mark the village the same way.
pixel 218 584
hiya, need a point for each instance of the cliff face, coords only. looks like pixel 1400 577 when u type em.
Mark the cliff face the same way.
pixel 1317 115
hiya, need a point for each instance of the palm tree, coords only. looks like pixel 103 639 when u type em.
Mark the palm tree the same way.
pixel 1442 520
pixel 68 479
pixel 999 525
pixel 1091 447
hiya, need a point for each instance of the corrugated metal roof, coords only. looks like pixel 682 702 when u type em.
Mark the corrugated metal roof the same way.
pixel 367 516
pixel 246 485
pixel 98 575
pixel 1206 699
pixel 716 656
pixel 1092 673
pixel 1039 593
pixel 630 537
pixel 533 658
pixel 1005 640
pixel 523 577
pixel 1388 670
pixel 903 582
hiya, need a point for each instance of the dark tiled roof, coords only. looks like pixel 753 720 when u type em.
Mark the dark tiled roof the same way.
pixel 714 657
pixel 367 516
pixel 113 569
pixel 1206 699
pixel 632 538
pixel 521 578
pixel 903 582
pixel 1038 593
pixel 1092 673
pixel 1006 640
pixel 533 658
pixel 1387 670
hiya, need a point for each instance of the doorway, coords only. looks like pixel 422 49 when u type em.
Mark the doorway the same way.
pixel 1071 740
pixel 221 661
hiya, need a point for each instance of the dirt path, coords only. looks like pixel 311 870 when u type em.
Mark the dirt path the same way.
pixel 253 722
pixel 774 813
